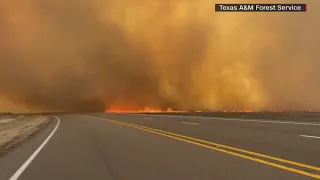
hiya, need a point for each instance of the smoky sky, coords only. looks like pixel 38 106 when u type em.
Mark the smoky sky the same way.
pixel 81 55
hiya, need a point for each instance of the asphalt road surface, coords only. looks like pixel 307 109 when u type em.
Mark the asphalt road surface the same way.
pixel 155 147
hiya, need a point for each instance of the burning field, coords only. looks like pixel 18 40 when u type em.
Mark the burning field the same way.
pixel 159 55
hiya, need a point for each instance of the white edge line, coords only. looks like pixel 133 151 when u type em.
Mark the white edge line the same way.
pixel 24 166
pixel 190 123
pixel 307 136
pixel 233 119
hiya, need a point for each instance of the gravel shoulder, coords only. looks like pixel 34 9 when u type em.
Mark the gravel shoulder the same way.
pixel 15 130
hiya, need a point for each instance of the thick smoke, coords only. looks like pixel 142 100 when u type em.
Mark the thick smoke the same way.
pixel 88 55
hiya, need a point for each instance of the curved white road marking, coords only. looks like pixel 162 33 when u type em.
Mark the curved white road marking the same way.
pixel 307 136
pixel 24 166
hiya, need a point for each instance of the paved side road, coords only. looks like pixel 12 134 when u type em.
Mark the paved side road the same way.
pixel 124 147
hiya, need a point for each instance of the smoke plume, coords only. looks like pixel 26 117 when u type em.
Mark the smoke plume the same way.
pixel 89 55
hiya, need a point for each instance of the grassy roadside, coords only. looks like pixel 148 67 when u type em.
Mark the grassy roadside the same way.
pixel 13 133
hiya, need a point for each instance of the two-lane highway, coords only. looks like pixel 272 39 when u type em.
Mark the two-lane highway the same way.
pixel 144 147
pixel 286 140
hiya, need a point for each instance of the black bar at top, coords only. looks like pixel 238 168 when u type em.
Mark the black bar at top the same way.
pixel 260 7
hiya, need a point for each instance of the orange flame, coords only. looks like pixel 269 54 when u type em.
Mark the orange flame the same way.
pixel 245 110
pixel 144 110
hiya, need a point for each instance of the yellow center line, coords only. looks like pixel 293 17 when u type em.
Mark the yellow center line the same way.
pixel 199 143
pixel 228 147
pixel 220 150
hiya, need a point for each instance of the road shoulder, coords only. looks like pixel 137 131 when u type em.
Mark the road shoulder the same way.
pixel 15 131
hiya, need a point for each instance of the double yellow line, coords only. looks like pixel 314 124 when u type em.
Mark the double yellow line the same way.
pixel 257 157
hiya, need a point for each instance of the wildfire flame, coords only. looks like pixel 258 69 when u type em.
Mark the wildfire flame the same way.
pixel 245 110
pixel 155 110
pixel 144 110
